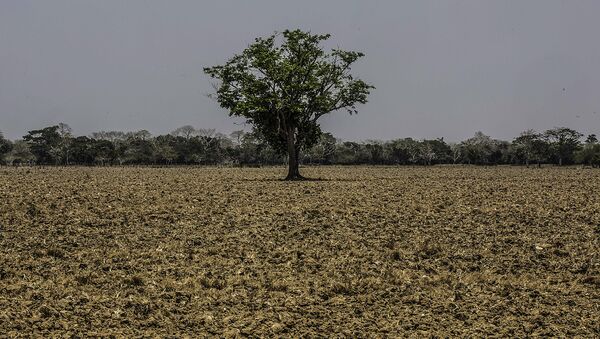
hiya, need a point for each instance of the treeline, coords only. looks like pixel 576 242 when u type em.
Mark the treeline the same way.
pixel 56 145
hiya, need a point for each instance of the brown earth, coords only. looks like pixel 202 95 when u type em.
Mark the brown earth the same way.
pixel 367 251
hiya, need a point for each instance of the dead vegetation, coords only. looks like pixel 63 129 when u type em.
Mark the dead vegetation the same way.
pixel 453 251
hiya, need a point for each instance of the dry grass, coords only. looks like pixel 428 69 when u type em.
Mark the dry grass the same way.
pixel 367 251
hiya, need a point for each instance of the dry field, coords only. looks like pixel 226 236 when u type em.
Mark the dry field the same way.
pixel 367 251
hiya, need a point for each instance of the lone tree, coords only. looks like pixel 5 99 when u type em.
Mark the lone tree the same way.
pixel 283 84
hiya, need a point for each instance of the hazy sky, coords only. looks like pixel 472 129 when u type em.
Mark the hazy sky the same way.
pixel 441 68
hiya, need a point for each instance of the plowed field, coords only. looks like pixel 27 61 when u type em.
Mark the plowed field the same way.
pixel 365 251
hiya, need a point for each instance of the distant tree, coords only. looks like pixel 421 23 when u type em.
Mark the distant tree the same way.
pixel 249 149
pixel 323 152
pixel 589 154
pixel 237 136
pixel 209 142
pixel 427 153
pixel 102 135
pixel 410 151
pixel 164 152
pixel 523 145
pixel 480 149
pixel 345 153
pixel 375 151
pixel 82 150
pixel 139 148
pixel 563 143
pixel 112 136
pixel 327 142
pixel 186 131
pixel 402 151
pixel 178 145
pixel 206 132
pixel 255 151
pixel 43 144
pixel 103 151
pixel 282 89
pixel 435 150
pixel 89 151
pixel 591 139
pixel 20 153
pixel 139 135
pixel 530 146
pixel 500 152
pixel 5 147
pixel 224 147
pixel 350 152
pixel 61 151
pixel 455 152
pixel 413 147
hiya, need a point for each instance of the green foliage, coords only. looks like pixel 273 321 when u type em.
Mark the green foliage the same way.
pixel 140 148
pixel 284 83
pixel 563 143
pixel 254 150
pixel 86 150
pixel 481 150
pixel 43 142
pixel 5 147
pixel 589 154
pixel 530 146
pixel 20 153
pixel 591 139
pixel 323 152
pixel 435 151
pixel 403 151
pixel 189 145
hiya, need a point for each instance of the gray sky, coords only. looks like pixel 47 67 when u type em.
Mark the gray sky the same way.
pixel 441 68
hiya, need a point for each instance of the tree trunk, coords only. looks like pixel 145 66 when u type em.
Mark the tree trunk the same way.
pixel 293 158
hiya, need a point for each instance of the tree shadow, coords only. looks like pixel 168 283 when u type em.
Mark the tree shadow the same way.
pixel 297 180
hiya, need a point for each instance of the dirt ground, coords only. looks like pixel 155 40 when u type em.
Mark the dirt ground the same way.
pixel 366 251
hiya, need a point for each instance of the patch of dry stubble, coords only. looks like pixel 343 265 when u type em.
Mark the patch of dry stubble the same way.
pixel 448 251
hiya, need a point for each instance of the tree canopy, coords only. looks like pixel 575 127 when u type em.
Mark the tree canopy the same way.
pixel 5 146
pixel 564 142
pixel 284 83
